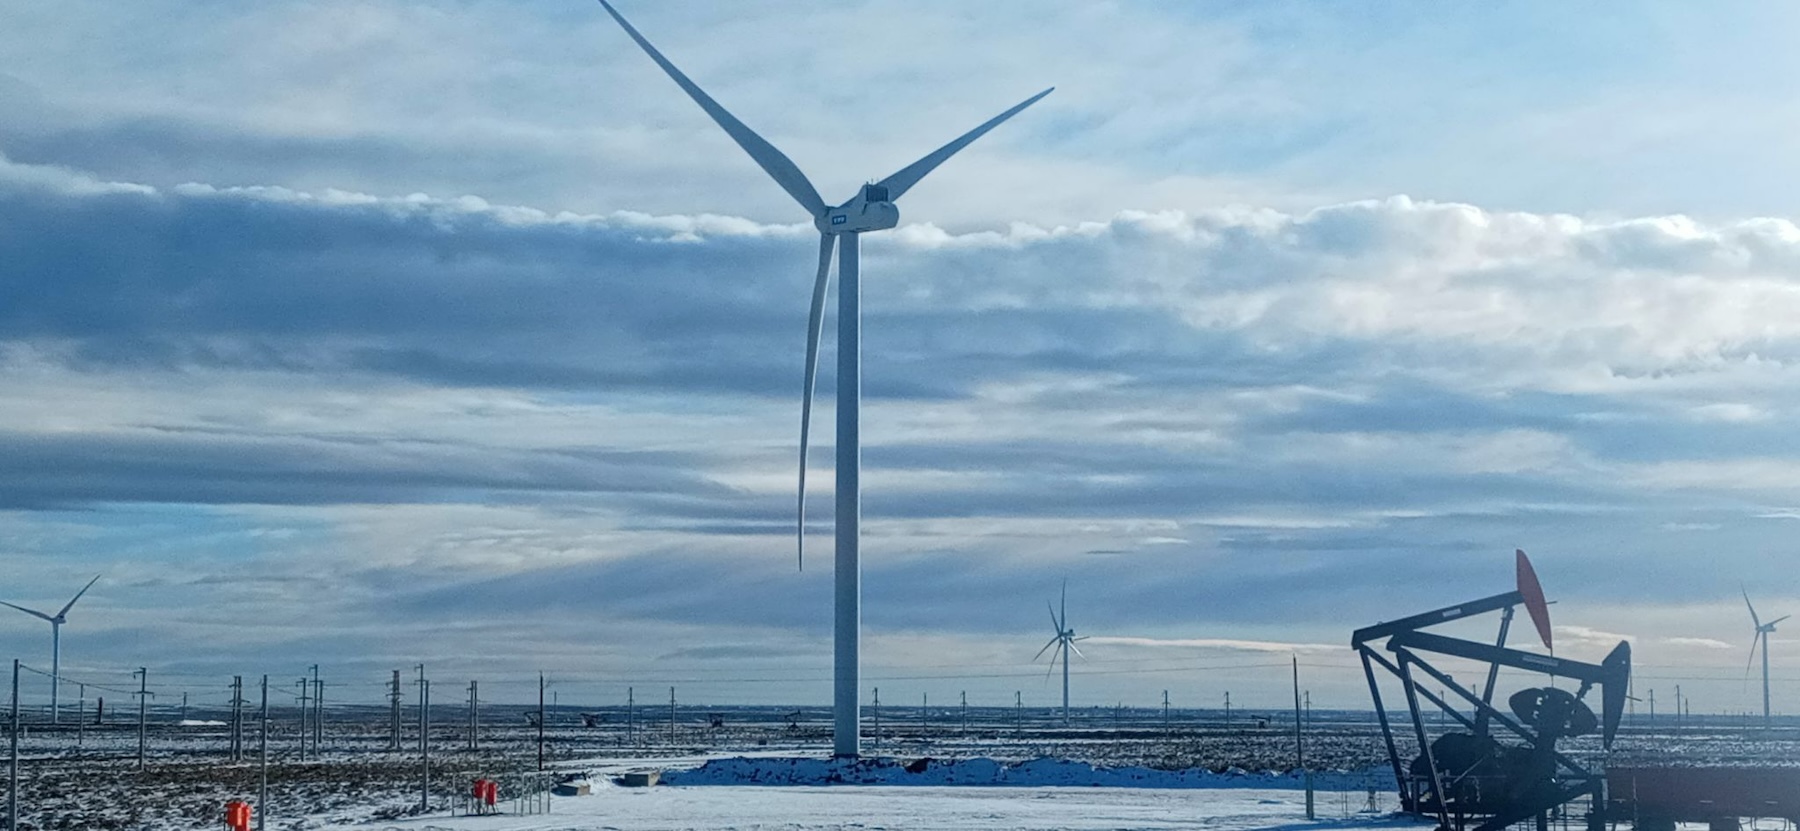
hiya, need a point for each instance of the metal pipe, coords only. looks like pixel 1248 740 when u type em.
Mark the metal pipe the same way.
pixel 1412 703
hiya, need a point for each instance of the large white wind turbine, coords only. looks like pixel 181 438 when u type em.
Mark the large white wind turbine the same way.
pixel 1064 642
pixel 56 622
pixel 871 209
pixel 1761 639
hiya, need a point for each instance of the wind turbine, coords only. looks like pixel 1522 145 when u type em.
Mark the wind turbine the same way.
pixel 1064 642
pixel 871 209
pixel 1763 630
pixel 56 622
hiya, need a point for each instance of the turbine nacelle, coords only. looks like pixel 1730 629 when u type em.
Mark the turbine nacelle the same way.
pixel 871 210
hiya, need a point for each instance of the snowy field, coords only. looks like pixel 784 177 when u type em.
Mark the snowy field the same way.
pixel 874 807
pixel 763 769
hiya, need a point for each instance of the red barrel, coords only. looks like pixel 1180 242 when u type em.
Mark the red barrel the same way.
pixel 237 815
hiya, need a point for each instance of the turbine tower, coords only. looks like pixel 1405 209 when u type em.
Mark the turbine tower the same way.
pixel 56 622
pixel 1761 638
pixel 1064 642
pixel 871 209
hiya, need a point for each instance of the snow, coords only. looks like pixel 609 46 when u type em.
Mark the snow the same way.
pixel 732 807
pixel 988 772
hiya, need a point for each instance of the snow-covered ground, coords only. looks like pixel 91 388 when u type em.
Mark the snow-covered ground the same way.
pixel 766 772
pixel 615 808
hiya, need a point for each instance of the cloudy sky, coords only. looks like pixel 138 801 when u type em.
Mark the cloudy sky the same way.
pixel 369 334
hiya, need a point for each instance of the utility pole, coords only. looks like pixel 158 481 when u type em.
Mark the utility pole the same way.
pixel 424 742
pixel 237 718
pixel 318 712
pixel 262 740
pixel 1652 705
pixel 474 717
pixel 394 713
pixel 1299 737
pixel 81 716
pixel 305 699
pixel 630 715
pixel 1300 741
pixel 965 715
pixel 671 715
pixel 924 715
pixel 877 711
pixel 12 792
pixel 1018 712
pixel 540 721
pixel 184 705
pixel 143 695
pixel 1227 708
pixel 1165 711
pixel 421 684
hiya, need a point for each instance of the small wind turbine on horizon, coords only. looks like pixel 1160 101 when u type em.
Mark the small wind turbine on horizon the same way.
pixel 1064 643
pixel 871 209
pixel 56 622
pixel 1760 639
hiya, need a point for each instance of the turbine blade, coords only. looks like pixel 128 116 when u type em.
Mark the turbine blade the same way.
pixel 32 612
pixel 1753 618
pixel 906 177
pixel 90 584
pixel 1045 649
pixel 779 167
pixel 1053 621
pixel 1771 624
pixel 815 323
pixel 1754 640
pixel 1052 669
pixel 1077 649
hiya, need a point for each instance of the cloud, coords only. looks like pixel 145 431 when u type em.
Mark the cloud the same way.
pixel 445 413
pixel 1703 643
pixel 1589 636
pixel 1225 644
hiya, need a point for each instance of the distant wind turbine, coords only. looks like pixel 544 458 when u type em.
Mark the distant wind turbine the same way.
pixel 56 622
pixel 1064 642
pixel 871 209
pixel 1761 638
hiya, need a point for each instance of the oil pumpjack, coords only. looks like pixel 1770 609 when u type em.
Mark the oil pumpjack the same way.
pixel 1469 774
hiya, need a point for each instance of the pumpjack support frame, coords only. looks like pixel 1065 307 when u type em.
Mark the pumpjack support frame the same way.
pixel 1542 777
